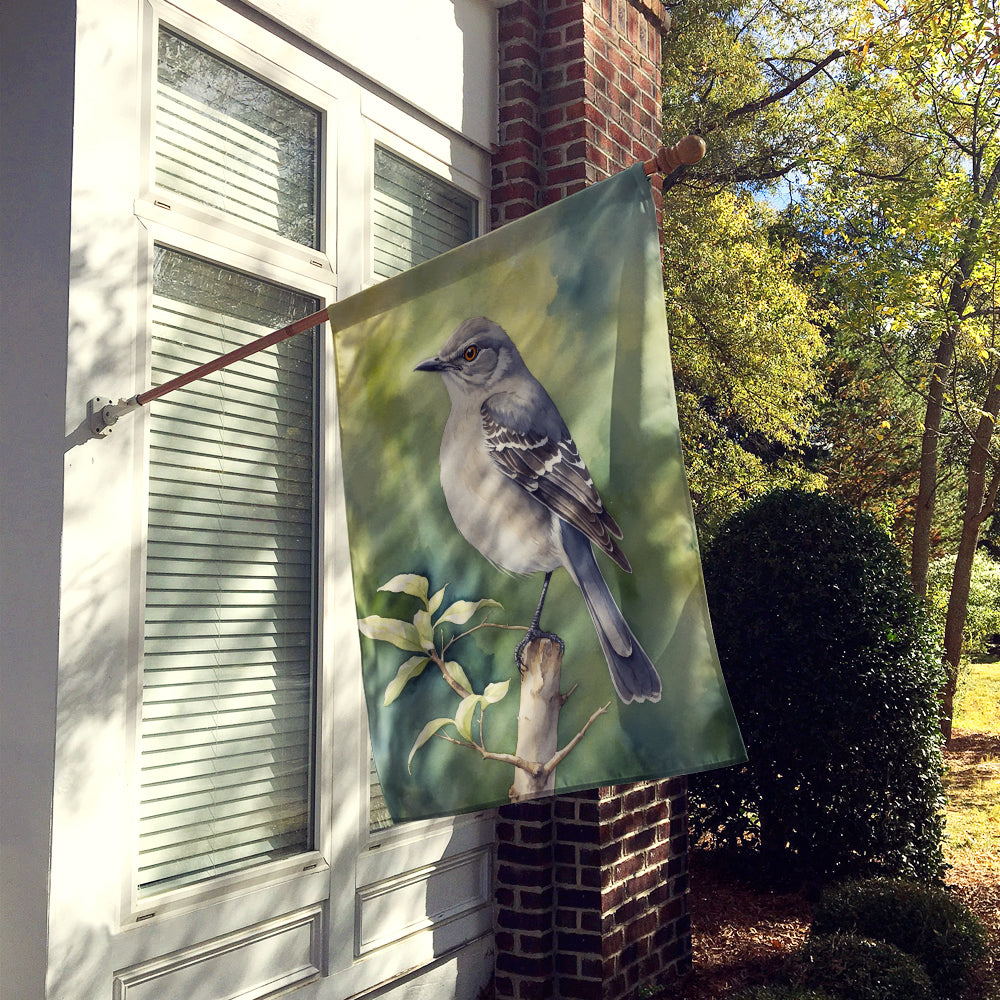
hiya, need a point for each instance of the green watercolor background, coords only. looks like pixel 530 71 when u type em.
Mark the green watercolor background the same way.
pixel 578 288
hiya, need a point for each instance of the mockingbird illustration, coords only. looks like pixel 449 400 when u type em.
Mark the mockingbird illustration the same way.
pixel 519 492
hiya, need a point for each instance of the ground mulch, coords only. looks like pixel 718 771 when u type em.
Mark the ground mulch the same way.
pixel 742 933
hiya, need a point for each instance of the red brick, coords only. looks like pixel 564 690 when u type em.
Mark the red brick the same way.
pixel 594 98
pixel 572 13
pixel 521 130
pixel 518 111
pixel 581 989
pixel 521 90
pixel 518 49
pixel 564 53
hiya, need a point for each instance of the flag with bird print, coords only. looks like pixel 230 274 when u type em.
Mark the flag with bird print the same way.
pixel 520 563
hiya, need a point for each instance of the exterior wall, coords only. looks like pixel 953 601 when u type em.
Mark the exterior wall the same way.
pixel 591 889
pixel 36 110
pixel 74 286
pixel 460 92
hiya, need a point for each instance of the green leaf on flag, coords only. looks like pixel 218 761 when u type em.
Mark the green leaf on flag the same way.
pixel 457 673
pixel 461 611
pixel 401 634
pixel 425 734
pixel 413 667
pixel 425 629
pixel 466 710
pixel 435 602
pixel 408 583
pixel 496 691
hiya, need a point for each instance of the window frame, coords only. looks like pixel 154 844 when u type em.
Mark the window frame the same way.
pixel 177 223
pixel 348 867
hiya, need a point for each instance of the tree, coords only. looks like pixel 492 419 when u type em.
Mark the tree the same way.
pixel 911 189
pixel 747 357
pixel 746 76
pixel 747 353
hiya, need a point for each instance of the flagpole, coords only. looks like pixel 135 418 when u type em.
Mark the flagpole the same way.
pixel 103 413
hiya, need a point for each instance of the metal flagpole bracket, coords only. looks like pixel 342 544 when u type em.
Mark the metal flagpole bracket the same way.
pixel 103 413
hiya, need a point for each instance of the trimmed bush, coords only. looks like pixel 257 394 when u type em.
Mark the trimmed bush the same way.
pixel 925 922
pixel 834 673
pixel 857 968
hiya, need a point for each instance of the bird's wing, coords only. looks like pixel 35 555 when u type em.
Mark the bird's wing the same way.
pixel 549 467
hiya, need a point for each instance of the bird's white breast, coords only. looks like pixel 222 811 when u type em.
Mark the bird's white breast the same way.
pixel 495 515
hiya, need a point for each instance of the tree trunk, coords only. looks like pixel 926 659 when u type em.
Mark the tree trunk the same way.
pixel 538 718
pixel 920 554
pixel 980 499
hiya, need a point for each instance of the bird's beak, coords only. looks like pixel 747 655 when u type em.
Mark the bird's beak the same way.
pixel 431 365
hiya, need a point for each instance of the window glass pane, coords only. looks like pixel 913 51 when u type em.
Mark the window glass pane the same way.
pixel 416 215
pixel 228 140
pixel 228 678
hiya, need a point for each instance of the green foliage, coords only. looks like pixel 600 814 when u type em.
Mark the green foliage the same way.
pixel 833 673
pixel 738 73
pixel 924 921
pixel 747 356
pixel 983 613
pixel 783 992
pixel 746 349
pixel 857 968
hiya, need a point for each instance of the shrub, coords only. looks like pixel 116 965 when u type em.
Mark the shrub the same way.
pixel 782 993
pixel 925 922
pixel 856 968
pixel 834 674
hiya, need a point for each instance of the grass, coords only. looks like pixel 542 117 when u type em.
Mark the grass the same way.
pixel 977 703
pixel 973 783
pixel 972 848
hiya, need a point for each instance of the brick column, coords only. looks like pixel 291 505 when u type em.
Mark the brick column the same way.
pixel 591 889
pixel 591 893
pixel 579 96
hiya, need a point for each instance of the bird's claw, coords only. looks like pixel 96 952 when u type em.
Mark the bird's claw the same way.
pixel 529 637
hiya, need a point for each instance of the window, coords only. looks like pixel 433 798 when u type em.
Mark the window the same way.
pixel 229 647
pixel 228 679
pixel 225 139
pixel 416 216
pixel 274 184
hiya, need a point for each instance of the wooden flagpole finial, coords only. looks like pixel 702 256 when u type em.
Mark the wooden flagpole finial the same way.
pixel 668 158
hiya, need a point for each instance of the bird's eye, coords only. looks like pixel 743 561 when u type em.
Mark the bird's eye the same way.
pixel 470 352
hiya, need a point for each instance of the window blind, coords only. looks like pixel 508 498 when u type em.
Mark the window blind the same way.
pixel 228 653
pixel 415 216
pixel 228 140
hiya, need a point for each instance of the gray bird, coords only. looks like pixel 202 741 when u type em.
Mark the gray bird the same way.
pixel 519 492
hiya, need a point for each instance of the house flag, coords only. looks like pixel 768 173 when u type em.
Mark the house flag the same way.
pixel 507 421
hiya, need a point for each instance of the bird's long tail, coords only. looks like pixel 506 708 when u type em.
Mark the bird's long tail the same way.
pixel 632 672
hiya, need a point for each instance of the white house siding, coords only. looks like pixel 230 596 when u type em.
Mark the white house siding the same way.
pixel 410 912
